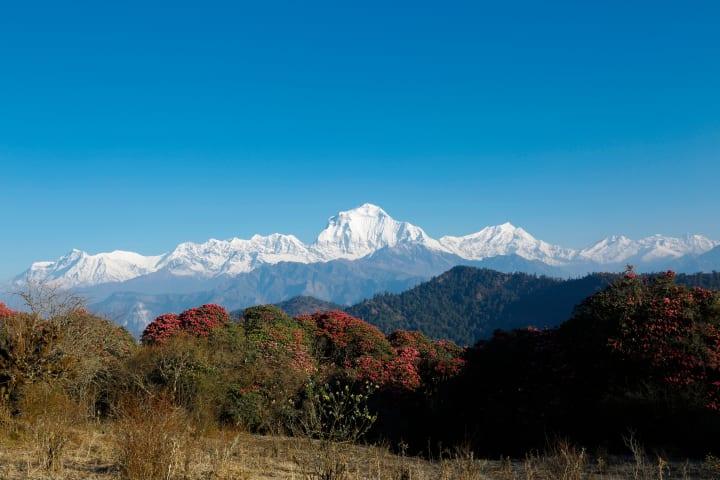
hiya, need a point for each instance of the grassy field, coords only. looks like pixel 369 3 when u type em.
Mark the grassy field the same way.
pixel 164 449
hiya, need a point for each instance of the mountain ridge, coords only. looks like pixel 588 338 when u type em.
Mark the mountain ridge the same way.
pixel 352 235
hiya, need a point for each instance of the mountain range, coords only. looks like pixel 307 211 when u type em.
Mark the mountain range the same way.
pixel 360 252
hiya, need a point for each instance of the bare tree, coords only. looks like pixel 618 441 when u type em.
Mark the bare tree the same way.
pixel 47 300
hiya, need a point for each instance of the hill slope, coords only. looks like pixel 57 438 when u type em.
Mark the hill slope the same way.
pixel 465 304
pixel 303 304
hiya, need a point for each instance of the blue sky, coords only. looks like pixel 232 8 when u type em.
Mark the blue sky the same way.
pixel 142 124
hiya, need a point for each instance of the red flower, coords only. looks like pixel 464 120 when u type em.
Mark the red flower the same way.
pixel 5 311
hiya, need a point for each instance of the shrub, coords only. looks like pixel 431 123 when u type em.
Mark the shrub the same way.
pixel 162 328
pixel 278 362
pixel 49 414
pixel 178 369
pixel 245 407
pixel 256 318
pixel 5 311
pixel 151 434
pixel 416 361
pixel 279 339
pixel 199 321
pixel 98 349
pixel 342 338
pixel 29 353
pixel 666 336
pixel 337 413
pixel 437 361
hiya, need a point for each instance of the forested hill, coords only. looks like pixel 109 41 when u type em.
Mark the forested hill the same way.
pixel 304 304
pixel 466 304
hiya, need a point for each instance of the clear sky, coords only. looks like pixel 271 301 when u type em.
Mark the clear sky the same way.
pixel 137 125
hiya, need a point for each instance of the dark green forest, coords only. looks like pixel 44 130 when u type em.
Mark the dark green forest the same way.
pixel 467 304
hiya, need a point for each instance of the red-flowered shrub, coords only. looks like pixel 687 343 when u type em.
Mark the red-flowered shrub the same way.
pixel 199 321
pixel 343 338
pixel 279 338
pixel 403 361
pixel 667 336
pixel 162 328
pixel 5 311
pixel 195 321
pixel 398 372
pixel 437 360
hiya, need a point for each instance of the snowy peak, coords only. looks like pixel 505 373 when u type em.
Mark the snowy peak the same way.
pixel 619 248
pixel 506 239
pixel 78 268
pixel 234 256
pixel 613 249
pixel 361 231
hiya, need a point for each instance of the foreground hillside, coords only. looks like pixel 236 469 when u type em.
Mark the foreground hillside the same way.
pixel 634 371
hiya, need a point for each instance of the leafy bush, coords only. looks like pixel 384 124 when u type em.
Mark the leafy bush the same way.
pixel 279 339
pixel 178 369
pixel 337 413
pixel 642 354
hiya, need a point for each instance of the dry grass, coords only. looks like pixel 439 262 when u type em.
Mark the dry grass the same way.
pixel 164 447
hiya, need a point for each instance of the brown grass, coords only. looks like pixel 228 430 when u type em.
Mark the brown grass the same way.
pixel 164 446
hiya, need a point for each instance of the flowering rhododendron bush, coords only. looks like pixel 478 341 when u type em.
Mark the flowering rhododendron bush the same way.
pixel 201 320
pixel 404 361
pixel 162 328
pixel 195 321
pixel 666 336
pixel 643 355
pixel 436 360
pixel 5 311
pixel 279 338
pixel 343 339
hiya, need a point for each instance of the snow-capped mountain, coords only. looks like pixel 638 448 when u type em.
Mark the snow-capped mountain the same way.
pixel 618 248
pixel 234 256
pixel 359 232
pixel 506 239
pixel 352 235
pixel 78 268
